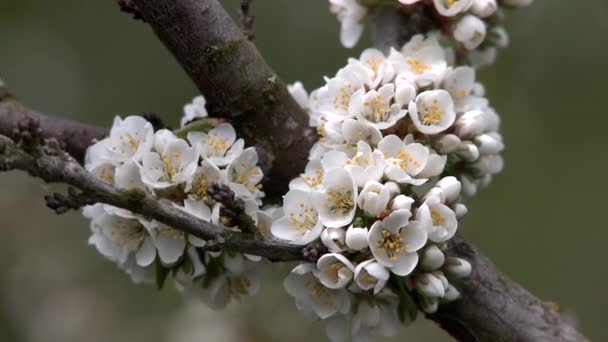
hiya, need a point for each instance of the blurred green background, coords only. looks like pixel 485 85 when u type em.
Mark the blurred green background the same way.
pixel 541 221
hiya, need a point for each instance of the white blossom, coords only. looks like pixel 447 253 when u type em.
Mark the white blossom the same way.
pixel 335 271
pixel 395 240
pixel 403 161
pixel 310 294
pixel 433 111
pixel 376 108
pixel 350 14
pixel 194 110
pixel 219 146
pixel 422 60
pixel 174 162
pixel 443 219
pixel 130 138
pixel 371 275
pixel 336 203
pixel 301 223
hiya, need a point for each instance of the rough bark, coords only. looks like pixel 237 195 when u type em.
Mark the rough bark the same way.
pixel 75 137
pixel 493 307
pixel 236 81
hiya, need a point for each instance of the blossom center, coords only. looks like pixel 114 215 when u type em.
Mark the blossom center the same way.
pixel 392 243
pixel 431 115
pixel 333 270
pixel 405 159
pixel 437 218
pixel 378 107
pixel 171 164
pixel 128 231
pixel 340 202
pixel 315 180
pixel 217 145
pixel 342 99
pixel 305 220
pixel 418 66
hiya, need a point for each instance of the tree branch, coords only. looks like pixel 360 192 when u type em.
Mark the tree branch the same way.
pixel 75 137
pixel 58 167
pixel 493 307
pixel 236 81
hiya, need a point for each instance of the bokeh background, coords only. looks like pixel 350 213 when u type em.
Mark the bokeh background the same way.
pixel 542 221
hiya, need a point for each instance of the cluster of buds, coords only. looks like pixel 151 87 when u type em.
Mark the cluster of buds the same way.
pixel 209 174
pixel 471 30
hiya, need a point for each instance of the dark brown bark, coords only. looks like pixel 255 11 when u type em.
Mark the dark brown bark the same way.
pixel 493 307
pixel 236 81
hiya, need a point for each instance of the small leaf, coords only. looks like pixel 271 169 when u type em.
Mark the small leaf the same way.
pixel 161 274
pixel 200 125
pixel 407 305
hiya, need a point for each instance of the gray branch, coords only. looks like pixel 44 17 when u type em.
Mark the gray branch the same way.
pixel 493 307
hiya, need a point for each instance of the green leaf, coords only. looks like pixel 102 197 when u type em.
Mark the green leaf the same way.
pixel 161 274
pixel 201 125
pixel 407 307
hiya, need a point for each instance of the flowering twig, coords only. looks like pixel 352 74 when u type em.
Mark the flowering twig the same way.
pixel 61 168
pixel 492 305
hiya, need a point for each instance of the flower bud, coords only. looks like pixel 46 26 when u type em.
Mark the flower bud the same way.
pixel 451 294
pixel 428 305
pixel 393 188
pixel 469 188
pixel 374 198
pixel 432 258
pixel 356 238
pixel 460 210
pixel 450 186
pixel 405 93
pixel 470 31
pixel 468 151
pixel 457 267
pixel 484 8
pixel 429 285
pixel 333 239
pixel 484 57
pixel 488 144
pixel 402 202
pixel 448 143
pixel 471 124
pixel 499 37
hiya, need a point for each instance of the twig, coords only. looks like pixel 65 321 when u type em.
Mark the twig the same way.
pixel 129 7
pixel 247 19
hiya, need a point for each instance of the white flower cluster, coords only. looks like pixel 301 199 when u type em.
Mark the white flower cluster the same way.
pixel 168 167
pixel 473 26
pixel 380 190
